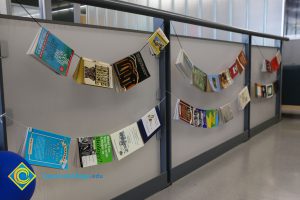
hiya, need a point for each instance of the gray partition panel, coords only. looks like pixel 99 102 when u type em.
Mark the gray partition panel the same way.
pixel 37 97
pixel 212 57
pixel 261 109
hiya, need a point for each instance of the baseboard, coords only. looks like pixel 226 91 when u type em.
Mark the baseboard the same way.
pixel 261 127
pixel 195 163
pixel 289 115
pixel 146 189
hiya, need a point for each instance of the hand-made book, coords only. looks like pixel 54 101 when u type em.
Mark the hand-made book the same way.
pixel 126 141
pixel 47 149
pixel 157 42
pixel 51 51
pixel 95 73
pixel 95 150
pixel 130 71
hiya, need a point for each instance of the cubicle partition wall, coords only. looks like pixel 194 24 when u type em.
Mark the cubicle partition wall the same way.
pixel 263 110
pixel 190 143
pixel 37 97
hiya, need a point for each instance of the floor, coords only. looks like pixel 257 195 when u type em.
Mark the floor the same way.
pixel 265 168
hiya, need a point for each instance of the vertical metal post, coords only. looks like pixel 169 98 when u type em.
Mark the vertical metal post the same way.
pixel 230 10
pixel 45 9
pixel 5 7
pixel 214 11
pixel 165 106
pixel 279 92
pixel 3 135
pixel 76 12
pixel 200 14
pixel 248 44
pixel 266 6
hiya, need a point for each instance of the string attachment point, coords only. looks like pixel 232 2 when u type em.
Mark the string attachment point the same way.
pixel 1 116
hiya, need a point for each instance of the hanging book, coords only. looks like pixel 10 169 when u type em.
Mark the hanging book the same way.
pixel 51 51
pixel 274 64
pixel 47 149
pixel 157 42
pixel 266 67
pixel 203 122
pixel 278 57
pixel 269 90
pixel 214 82
pixel 199 118
pixel 258 90
pixel 95 150
pixel 126 141
pixel 199 78
pixel 130 71
pixel 212 118
pixel 243 98
pixel 264 91
pixel 276 61
pixel 150 124
pixel 184 64
pixel 93 73
pixel 185 112
pixel 196 115
pixel 241 62
pixel 233 70
pixel 226 113
pixel 225 79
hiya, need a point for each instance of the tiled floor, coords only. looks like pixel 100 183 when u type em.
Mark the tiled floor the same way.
pixel 265 168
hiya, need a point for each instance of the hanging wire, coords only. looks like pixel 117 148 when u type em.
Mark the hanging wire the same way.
pixel 14 120
pixel 25 126
pixel 260 52
pixel 176 35
pixel 242 48
pixel 112 131
pixel 230 102
pixel 34 19
pixel 158 104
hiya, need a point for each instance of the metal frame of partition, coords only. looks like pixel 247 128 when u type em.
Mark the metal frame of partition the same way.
pixel 167 173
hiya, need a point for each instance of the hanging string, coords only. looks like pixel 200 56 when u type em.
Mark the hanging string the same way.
pixel 257 46
pixel 14 120
pixel 176 35
pixel 158 104
pixel 73 139
pixel 34 19
pixel 242 49
pixel 25 126
pixel 112 131
pixel 176 97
